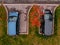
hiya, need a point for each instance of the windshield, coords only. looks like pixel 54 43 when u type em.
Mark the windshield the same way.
pixel 46 16
pixel 13 18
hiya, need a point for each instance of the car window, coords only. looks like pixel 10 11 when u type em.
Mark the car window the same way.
pixel 46 16
pixel 12 18
pixel 50 17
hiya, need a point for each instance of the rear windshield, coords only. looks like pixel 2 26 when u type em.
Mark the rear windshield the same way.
pixel 13 18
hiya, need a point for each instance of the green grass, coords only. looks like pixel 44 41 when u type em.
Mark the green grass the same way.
pixel 33 38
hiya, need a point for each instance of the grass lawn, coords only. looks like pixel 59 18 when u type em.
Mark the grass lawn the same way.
pixel 33 38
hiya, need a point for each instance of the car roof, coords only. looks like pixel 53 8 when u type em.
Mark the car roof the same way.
pixel 48 27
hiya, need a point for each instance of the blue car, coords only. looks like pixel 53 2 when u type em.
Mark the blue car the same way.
pixel 12 21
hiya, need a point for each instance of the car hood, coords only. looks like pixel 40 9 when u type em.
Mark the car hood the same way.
pixel 12 28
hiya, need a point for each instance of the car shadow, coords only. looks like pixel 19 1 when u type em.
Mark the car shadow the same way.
pixel 18 24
